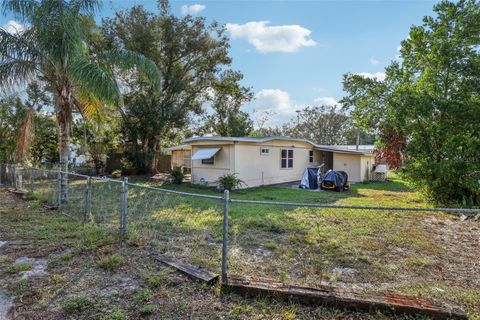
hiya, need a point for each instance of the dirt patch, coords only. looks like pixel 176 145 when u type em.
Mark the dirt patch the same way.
pixel 38 267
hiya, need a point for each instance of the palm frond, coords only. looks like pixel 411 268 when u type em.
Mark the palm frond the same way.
pixel 22 9
pixel 16 72
pixel 88 105
pixel 17 46
pixel 128 60
pixel 91 78
pixel 26 135
pixel 86 6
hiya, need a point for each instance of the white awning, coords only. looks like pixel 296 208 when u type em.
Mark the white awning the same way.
pixel 206 153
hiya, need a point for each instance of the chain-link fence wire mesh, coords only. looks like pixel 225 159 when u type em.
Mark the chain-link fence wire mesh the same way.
pixel 300 243
pixel 7 174
pixel 75 204
pixel 105 202
pixel 187 227
pixel 314 245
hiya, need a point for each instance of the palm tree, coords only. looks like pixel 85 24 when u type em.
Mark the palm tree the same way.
pixel 53 48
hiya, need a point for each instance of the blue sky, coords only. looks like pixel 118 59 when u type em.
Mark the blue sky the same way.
pixel 294 53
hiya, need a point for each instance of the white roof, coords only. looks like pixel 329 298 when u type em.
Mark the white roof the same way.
pixel 180 147
pixel 205 153
pixel 363 149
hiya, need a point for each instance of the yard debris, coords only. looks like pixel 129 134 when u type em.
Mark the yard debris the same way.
pixel 188 269
pixel 39 267
pixel 340 297
pixel 5 304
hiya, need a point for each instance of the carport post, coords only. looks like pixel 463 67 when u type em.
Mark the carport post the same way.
pixel 226 204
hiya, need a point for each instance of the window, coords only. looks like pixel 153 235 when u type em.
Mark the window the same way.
pixel 209 161
pixel 310 156
pixel 287 159
pixel 264 151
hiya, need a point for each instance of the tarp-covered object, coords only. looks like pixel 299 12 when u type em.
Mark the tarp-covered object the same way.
pixel 310 179
pixel 335 180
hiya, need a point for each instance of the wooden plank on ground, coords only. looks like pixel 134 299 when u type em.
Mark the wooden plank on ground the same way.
pixel 188 269
pixel 339 297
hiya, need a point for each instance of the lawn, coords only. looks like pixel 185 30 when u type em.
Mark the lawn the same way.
pixel 90 276
pixel 394 193
pixel 427 253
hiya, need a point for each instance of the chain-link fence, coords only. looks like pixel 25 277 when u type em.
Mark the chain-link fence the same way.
pixel 299 243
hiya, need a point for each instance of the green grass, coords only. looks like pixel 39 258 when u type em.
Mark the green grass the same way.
pixel 296 245
pixel 394 192
pixel 110 262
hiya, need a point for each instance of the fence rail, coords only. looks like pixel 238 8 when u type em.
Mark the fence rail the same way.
pixel 215 232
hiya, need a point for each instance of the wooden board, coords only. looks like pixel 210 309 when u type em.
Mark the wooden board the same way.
pixel 188 269
pixel 338 297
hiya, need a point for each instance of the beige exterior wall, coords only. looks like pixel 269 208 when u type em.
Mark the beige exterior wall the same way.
pixel 366 167
pixel 257 169
pixel 224 163
pixel 357 166
pixel 350 163
pixel 181 158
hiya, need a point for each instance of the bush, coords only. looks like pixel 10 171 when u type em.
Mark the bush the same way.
pixel 229 182
pixel 176 176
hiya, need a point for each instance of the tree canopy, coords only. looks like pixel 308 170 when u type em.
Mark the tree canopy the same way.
pixel 430 103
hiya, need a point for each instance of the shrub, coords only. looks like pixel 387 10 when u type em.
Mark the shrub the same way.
pixel 176 176
pixel 229 182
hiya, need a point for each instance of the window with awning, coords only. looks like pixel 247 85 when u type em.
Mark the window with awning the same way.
pixel 205 153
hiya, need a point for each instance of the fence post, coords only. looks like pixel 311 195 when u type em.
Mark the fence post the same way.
pixel 19 185
pixel 14 176
pixel 226 204
pixel 123 209
pixel 32 179
pixel 59 193
pixel 88 199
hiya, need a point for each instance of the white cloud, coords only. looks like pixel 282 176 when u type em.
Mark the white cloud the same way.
pixel 265 38
pixel 379 76
pixel 326 101
pixel 13 26
pixel 374 61
pixel 276 102
pixel 192 9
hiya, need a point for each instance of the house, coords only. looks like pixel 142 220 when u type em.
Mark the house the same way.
pixel 267 160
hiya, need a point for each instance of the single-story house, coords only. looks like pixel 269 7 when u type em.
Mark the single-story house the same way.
pixel 267 160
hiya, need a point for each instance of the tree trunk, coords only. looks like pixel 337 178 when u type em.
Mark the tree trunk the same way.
pixel 64 117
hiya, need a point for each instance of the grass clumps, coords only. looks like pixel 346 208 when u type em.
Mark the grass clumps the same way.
pixel 117 314
pixel 272 246
pixel 19 268
pixel 59 259
pixel 77 305
pixel 148 309
pixel 154 279
pixel 110 262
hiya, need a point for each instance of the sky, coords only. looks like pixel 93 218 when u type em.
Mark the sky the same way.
pixel 294 53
